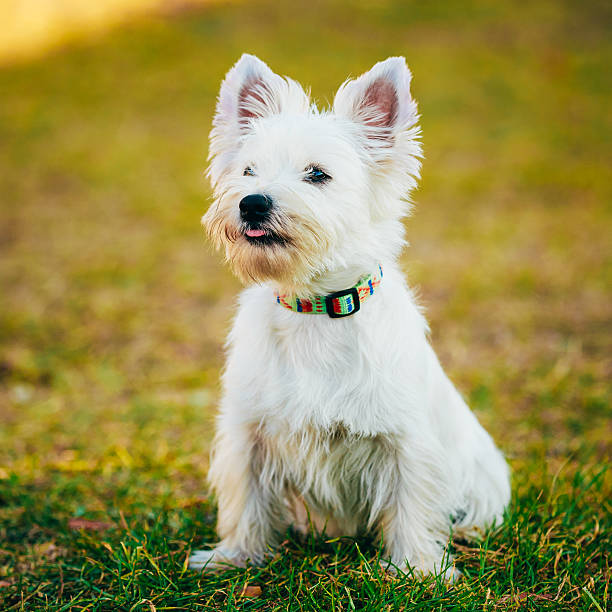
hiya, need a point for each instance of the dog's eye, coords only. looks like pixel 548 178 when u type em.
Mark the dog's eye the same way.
pixel 314 174
pixel 248 171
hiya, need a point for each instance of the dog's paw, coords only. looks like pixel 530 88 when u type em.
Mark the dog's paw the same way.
pixel 215 560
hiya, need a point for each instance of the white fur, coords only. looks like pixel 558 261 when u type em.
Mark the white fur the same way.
pixel 343 424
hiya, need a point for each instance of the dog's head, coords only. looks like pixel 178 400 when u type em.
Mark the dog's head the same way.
pixel 298 191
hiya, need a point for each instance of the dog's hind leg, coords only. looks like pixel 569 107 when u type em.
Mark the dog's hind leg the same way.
pixel 414 525
pixel 486 491
pixel 249 494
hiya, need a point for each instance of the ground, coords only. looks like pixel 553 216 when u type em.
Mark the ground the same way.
pixel 114 307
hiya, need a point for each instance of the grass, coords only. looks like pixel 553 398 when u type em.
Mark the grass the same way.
pixel 113 310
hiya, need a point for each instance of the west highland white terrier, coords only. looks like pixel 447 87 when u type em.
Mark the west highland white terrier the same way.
pixel 336 414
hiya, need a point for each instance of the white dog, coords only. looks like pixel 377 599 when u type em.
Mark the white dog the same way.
pixel 336 413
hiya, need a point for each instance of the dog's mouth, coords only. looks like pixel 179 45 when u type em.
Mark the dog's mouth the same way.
pixel 260 236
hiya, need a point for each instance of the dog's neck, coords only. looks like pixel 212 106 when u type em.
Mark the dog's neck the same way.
pixel 330 281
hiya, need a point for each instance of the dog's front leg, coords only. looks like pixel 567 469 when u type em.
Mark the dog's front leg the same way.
pixel 415 524
pixel 249 493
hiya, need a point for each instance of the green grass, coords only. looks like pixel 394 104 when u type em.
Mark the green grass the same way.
pixel 113 310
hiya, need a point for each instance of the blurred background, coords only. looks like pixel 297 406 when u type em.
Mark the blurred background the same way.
pixel 113 307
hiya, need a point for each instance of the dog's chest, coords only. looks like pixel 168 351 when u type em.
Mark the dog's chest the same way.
pixel 329 376
pixel 297 371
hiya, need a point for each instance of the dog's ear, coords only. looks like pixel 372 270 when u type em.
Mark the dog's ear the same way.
pixel 379 105
pixel 380 102
pixel 249 92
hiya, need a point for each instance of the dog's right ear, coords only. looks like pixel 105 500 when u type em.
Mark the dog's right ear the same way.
pixel 250 91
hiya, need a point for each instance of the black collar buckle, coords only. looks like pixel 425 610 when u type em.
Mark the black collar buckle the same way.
pixel 329 302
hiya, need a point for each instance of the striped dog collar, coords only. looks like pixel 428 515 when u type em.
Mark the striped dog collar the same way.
pixel 338 304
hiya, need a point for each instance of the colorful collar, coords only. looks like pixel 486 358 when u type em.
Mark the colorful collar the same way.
pixel 338 304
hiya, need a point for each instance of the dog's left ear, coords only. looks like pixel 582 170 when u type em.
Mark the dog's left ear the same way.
pixel 380 102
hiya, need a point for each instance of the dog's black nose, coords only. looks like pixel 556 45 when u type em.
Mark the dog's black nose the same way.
pixel 254 208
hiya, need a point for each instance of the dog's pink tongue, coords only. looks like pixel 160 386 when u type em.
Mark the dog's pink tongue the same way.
pixel 255 233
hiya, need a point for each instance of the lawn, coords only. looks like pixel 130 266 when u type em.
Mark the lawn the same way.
pixel 113 307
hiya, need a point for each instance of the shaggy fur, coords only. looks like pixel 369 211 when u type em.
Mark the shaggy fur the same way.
pixel 345 424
